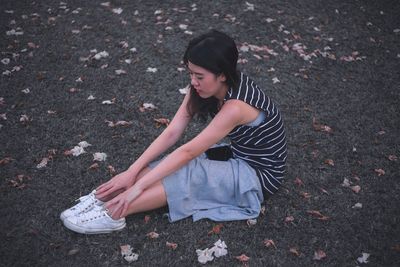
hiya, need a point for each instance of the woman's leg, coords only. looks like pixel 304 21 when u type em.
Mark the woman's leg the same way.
pixel 152 198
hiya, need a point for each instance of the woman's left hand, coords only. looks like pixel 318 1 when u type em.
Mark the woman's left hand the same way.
pixel 118 206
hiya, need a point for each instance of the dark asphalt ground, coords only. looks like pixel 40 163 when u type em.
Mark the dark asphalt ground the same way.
pixel 332 62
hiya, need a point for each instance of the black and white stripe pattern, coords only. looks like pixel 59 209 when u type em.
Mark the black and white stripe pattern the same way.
pixel 263 146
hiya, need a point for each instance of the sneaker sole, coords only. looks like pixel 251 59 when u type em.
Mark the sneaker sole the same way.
pixel 81 230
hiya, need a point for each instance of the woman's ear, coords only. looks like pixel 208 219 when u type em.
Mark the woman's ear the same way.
pixel 222 77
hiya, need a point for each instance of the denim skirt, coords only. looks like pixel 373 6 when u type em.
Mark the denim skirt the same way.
pixel 217 190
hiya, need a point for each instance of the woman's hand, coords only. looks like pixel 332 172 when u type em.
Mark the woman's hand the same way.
pixel 121 181
pixel 118 206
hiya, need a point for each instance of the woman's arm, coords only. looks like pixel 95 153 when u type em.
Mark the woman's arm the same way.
pixel 226 119
pixel 165 140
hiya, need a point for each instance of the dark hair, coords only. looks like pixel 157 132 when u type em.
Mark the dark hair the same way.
pixel 216 52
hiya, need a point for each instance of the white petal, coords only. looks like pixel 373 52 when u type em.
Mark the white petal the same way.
pixel 98 156
pixel 84 144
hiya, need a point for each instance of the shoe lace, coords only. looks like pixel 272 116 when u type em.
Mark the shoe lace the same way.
pixel 86 202
pixel 93 215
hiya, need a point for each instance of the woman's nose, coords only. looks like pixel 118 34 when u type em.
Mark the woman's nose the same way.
pixel 193 81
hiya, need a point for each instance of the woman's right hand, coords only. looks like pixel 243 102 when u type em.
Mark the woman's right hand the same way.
pixel 119 182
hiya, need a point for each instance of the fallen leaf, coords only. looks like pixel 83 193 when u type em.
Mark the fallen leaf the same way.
pixel 380 172
pixel 127 253
pixel 318 215
pixel 364 258
pixel 243 258
pixel 329 162
pixel 203 256
pixel 5 160
pixel 298 181
pixel 111 169
pixel 118 123
pixel 170 245
pixel 219 248
pixel 289 219
pixel 357 206
pixel 153 235
pixel 324 191
pixel 161 121
pixel 294 251
pixel 73 251
pixel 94 166
pixel 321 127
pixel 99 156
pixel 346 182
pixel 269 243
pixel 355 188
pixel 216 229
pixel 263 210
pixel 319 255
pixel 43 163
pixel 251 222
pixel 306 195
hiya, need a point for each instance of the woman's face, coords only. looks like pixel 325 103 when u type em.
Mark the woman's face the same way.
pixel 206 83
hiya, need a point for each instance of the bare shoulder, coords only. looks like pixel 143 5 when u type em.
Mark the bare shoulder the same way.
pixel 239 110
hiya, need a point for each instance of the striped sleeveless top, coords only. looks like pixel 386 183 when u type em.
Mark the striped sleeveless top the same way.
pixel 262 146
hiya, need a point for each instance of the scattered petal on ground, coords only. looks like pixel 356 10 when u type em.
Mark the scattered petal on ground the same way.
pixel 220 248
pixel 364 258
pixel 204 256
pixel 319 255
pixel 153 235
pixel 171 245
pixel 243 258
pixel 127 253
pixel 216 229
pixel 357 206
pixel 269 243
pixel 99 156
pixel 294 251
pixel 380 172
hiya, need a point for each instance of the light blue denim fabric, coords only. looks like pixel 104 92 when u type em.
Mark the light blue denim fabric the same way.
pixel 217 190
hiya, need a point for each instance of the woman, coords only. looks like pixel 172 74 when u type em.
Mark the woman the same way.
pixel 199 178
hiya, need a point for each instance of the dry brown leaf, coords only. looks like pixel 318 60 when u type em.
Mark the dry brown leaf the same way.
pixel 171 245
pixel 161 121
pixel 329 162
pixel 355 188
pixel 319 255
pixel 269 243
pixel 153 235
pixel 294 251
pixel 216 229
pixel 324 191
pixel 111 169
pixel 289 219
pixel 306 195
pixel 380 172
pixel 5 161
pixel 243 258
pixel 94 166
pixel 298 181
pixel 321 127
pixel 318 215
pixel 263 210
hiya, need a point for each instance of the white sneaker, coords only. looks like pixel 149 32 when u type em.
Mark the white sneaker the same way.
pixel 86 203
pixel 95 221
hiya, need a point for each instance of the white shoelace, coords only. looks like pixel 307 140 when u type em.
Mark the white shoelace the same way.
pixel 93 215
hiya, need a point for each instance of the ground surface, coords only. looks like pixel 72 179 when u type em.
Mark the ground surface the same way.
pixel 336 62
